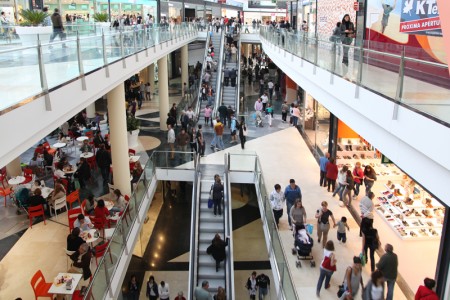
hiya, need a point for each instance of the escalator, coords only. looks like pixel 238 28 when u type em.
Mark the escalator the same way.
pixel 205 226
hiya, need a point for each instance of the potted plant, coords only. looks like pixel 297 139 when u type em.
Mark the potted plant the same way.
pixel 102 20
pixel 31 27
pixel 133 131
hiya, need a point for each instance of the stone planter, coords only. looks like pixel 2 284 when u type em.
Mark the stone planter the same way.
pixel 29 35
pixel 133 138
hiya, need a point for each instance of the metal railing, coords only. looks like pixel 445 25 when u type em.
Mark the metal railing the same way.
pixel 398 74
pixel 283 280
pixel 193 265
pixel 219 78
pixel 238 79
pixel 51 65
pixel 228 208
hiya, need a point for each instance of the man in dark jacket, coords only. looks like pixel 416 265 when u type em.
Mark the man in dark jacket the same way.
pixel 226 76
pixel 58 28
pixel 233 76
pixel 388 265
pixel 103 159
pixel 223 111
pixel 82 260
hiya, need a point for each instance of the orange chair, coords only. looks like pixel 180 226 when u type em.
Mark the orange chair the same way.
pixel 77 294
pixel 49 149
pixel 3 177
pixel 131 152
pixel 100 251
pixel 73 197
pixel 90 134
pixel 28 174
pixel 65 183
pixel 72 215
pixel 36 211
pixel 5 191
pixel 40 287
pixel 83 207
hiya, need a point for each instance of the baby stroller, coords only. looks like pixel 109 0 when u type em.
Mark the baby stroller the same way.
pixel 259 119
pixel 303 245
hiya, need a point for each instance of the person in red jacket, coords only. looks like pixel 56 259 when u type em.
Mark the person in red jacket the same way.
pixel 332 173
pixel 425 292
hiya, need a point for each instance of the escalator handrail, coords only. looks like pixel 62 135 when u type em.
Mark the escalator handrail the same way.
pixel 193 261
pixel 238 80
pixel 229 267
pixel 198 100
pixel 219 78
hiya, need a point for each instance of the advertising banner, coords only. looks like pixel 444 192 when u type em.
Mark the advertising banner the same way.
pixel 420 17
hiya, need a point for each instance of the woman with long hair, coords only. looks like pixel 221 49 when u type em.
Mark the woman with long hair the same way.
pixel 217 249
pixel 347 34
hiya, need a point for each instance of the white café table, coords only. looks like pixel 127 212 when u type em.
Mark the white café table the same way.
pixel 134 158
pixel 60 288
pixel 16 180
pixel 59 145
pixel 46 191
pixel 87 154
pixel 92 238
pixel 82 138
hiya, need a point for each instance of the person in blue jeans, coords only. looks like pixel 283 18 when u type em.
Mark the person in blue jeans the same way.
pixel 263 284
pixel 327 267
pixel 388 265
pixel 342 182
pixel 292 193
pixel 323 170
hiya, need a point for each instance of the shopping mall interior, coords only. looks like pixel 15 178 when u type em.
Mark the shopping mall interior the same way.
pixel 140 142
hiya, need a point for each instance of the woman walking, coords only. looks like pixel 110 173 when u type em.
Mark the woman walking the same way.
pixel 347 35
pixel 152 289
pixel 242 132
pixel 375 287
pixel 331 174
pixel 350 184
pixel 370 241
pixel 352 280
pixel 370 176
pixel 323 222
pixel 217 194
pixel 277 202
pixel 298 214
pixel 327 267
pixel 217 249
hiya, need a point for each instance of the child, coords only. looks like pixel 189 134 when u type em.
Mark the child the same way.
pixel 341 235
pixel 269 113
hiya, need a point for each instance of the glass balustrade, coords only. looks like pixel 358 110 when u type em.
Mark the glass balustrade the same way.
pixel 249 162
pixel 26 72
pixel 399 73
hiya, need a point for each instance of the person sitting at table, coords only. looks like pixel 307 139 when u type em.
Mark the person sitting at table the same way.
pixel 74 129
pixel 83 172
pixel 59 170
pixel 39 149
pixel 98 139
pixel 137 172
pixel 101 212
pixel 57 193
pixel 82 261
pixel 36 184
pixel 62 138
pixel 36 161
pixel 83 222
pixel 37 198
pixel 86 147
pixel 90 205
pixel 74 240
pixel 120 202
pixel 48 158
pixel 81 119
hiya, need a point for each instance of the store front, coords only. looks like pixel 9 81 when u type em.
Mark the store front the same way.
pixel 406 214
pixel 265 17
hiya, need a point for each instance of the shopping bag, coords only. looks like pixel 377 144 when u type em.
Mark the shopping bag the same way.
pixel 210 203
pixel 363 259
pixel 309 228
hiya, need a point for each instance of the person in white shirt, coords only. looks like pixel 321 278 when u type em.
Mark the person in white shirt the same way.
pixel 190 113
pixel 171 141
pixel 342 180
pixel 163 290
pixel 83 222
pixel 366 208
pixel 264 100
pixel 277 202
pixel 270 86
pixel 120 202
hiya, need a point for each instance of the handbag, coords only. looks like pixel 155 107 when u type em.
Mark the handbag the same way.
pixel 341 289
pixel 363 259
pixel 326 264
pixel 210 203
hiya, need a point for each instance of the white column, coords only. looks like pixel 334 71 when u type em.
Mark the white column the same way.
pixel 14 168
pixel 184 68
pixel 118 138
pixel 151 78
pixel 163 86
pixel 90 111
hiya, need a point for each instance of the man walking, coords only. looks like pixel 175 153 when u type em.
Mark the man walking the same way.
pixel 226 76
pixel 103 159
pixel 292 193
pixel 323 170
pixel 183 141
pixel 233 77
pixel 366 208
pixel 388 265
pixel 218 130
pixel 263 284
pixel 202 293
pixel 58 28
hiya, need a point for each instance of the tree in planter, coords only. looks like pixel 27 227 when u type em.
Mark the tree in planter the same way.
pixel 101 17
pixel 132 123
pixel 32 17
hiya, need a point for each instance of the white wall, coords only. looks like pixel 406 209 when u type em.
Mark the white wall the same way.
pixel 415 143
pixel 25 126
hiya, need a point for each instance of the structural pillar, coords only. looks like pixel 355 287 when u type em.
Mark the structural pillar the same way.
pixel 184 68
pixel 118 137
pixel 151 78
pixel 163 87
pixel 14 168
pixel 90 111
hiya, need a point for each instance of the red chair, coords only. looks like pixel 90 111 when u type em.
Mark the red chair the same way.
pixel 49 149
pixel 40 287
pixel 83 207
pixel 36 211
pixel 3 177
pixel 77 294
pixel 72 215
pixel 28 174
pixel 132 166
pixel 65 183
pixel 99 224
pixel 90 134
pixel 5 191
pixel 100 251
pixel 73 197
pixel 93 147
pixel 131 152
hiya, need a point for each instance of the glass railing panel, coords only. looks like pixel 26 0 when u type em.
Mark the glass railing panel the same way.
pixel 242 162
pixel 98 286
pixel 177 159
pixel 61 62
pixel 379 79
pixel 430 98
pixel 91 49
pixel 288 285
pixel 112 47
pixel 20 75
pixel 116 246
pixel 326 55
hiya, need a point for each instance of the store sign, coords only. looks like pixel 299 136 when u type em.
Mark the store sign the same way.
pixel 356 6
pixel 420 17
pixel 6 2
